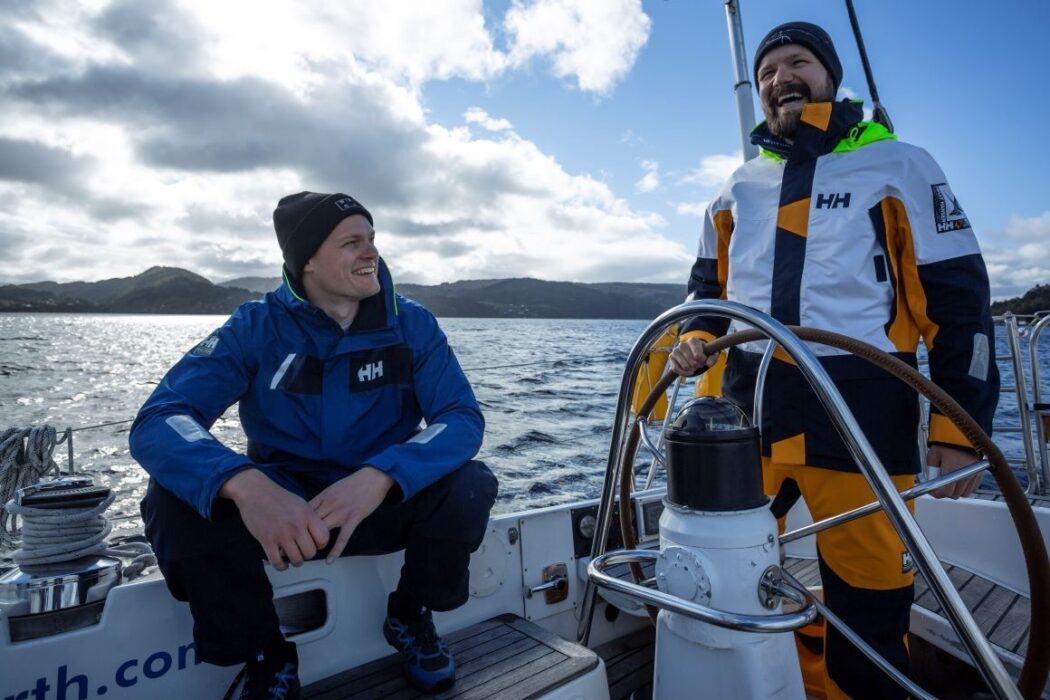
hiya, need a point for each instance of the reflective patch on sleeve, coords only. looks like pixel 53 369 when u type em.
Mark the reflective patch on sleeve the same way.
pixel 281 370
pixel 431 432
pixel 188 429
pixel 207 346
pixel 980 358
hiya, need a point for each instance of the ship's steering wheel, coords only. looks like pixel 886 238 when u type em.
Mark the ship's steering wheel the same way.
pixel 1036 666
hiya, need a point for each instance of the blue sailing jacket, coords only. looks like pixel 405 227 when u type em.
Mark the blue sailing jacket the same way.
pixel 313 398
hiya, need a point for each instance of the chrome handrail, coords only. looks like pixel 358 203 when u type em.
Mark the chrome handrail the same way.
pixel 1013 342
pixel 782 622
pixel 1037 398
pixel 760 384
pixel 657 453
pixel 863 454
pixel 859 512
pixel 866 649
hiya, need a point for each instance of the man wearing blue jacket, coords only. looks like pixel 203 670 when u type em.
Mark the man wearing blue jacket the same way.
pixel 333 374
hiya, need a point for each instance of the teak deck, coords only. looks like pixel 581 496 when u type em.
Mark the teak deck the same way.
pixel 1002 615
pixel 505 657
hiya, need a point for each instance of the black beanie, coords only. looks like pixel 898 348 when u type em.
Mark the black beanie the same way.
pixel 303 222
pixel 809 35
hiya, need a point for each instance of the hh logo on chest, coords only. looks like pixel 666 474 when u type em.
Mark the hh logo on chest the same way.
pixel 371 369
pixel 833 200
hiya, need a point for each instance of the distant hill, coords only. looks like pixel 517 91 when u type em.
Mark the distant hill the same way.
pixel 532 298
pixel 1035 299
pixel 158 290
pixel 259 285
pixel 166 290
pixel 170 290
pixel 526 297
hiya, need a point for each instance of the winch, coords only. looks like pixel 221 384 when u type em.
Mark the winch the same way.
pixel 719 549
pixel 54 587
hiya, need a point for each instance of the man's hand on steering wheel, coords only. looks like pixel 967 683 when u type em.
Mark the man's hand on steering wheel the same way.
pixel 690 356
pixel 949 459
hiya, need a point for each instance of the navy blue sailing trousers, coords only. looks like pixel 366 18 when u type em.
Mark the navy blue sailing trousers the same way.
pixel 218 567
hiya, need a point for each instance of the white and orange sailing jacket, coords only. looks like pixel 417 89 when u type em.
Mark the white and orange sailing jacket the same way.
pixel 849 230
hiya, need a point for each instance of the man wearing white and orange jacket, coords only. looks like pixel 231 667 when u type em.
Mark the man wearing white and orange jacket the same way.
pixel 837 225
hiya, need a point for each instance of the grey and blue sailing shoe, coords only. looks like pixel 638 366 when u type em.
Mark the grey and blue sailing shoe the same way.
pixel 429 665
pixel 270 676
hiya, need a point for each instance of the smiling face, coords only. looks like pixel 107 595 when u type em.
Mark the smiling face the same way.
pixel 345 268
pixel 789 77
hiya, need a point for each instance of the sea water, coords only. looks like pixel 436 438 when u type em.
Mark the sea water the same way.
pixel 548 389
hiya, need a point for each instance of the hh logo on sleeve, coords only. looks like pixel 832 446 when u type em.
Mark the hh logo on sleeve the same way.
pixel 947 213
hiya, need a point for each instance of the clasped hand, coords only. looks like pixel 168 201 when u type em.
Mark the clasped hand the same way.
pixel 690 356
pixel 292 530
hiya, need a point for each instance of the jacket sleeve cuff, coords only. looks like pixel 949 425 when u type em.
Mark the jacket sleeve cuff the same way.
pixel 210 492
pixel 944 432
pixel 700 335
pixel 386 463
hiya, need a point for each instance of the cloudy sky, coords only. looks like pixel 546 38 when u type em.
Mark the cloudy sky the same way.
pixel 560 139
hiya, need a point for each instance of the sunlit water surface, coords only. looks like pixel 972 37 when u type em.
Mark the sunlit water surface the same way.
pixel 547 388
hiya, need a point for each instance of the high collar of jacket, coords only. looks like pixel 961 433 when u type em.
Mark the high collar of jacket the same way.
pixel 821 127
pixel 377 312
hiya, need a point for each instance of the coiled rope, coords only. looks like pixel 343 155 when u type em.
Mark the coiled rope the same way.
pixel 49 535
pixel 26 455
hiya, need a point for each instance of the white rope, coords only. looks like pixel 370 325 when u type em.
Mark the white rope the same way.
pixel 56 535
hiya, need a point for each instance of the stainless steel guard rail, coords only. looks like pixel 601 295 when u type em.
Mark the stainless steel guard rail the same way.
pixel 1042 409
pixel 1020 389
pixel 783 622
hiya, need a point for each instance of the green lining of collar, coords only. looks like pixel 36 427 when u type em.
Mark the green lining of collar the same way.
pixel 291 287
pixel 864 134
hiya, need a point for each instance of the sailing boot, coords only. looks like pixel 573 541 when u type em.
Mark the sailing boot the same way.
pixel 429 665
pixel 272 675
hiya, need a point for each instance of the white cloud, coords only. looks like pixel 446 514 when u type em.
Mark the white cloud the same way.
pixel 651 180
pixel 714 170
pixel 180 140
pixel 407 41
pixel 698 209
pixel 476 115
pixel 595 41
pixel 1016 269
pixel 1035 228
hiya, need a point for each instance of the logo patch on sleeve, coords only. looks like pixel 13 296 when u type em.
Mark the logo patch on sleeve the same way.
pixel 375 368
pixel 906 563
pixel 207 346
pixel 947 214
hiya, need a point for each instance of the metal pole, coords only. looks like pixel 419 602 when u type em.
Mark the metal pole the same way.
pixel 760 384
pixel 881 115
pixel 745 107
pixel 914 492
pixel 1037 402
pixel 1021 392
pixel 855 639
